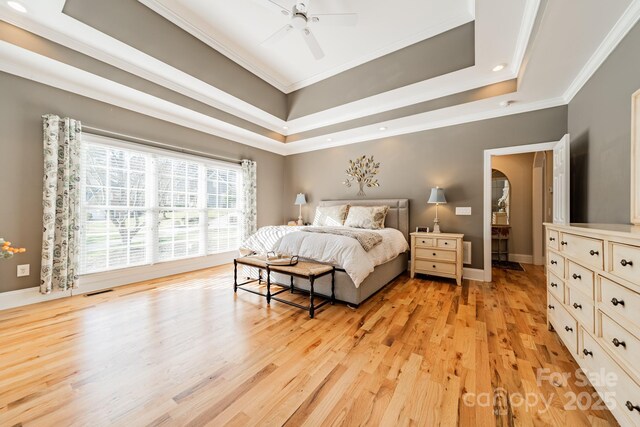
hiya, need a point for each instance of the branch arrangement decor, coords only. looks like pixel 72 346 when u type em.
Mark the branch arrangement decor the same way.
pixel 7 251
pixel 362 171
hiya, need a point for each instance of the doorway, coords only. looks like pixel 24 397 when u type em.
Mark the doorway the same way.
pixel 559 186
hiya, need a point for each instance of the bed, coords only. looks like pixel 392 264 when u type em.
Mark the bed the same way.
pixel 348 291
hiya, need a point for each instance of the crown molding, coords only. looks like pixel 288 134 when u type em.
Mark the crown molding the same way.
pixel 25 63
pixel 526 28
pixel 418 123
pixel 281 83
pixel 610 42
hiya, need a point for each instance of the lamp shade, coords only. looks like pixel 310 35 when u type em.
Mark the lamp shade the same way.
pixel 300 199
pixel 437 196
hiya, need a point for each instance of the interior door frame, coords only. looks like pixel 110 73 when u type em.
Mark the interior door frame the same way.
pixel 488 155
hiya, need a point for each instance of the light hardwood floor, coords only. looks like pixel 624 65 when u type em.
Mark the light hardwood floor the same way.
pixel 186 351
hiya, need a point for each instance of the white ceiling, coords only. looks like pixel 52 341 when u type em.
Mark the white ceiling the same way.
pixel 237 29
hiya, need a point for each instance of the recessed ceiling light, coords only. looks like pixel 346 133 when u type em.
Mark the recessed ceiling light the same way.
pixel 329 139
pixel 17 6
pixel 499 67
pixel 285 127
pixel 382 128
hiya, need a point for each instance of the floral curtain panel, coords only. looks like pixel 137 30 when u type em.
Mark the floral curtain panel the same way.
pixel 61 197
pixel 250 198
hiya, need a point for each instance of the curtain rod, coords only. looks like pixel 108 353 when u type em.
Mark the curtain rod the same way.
pixel 150 143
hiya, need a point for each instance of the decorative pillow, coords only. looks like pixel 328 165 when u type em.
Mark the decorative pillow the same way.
pixel 371 217
pixel 330 215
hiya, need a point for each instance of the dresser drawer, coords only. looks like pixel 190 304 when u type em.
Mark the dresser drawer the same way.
pixel 581 306
pixel 599 367
pixel 555 286
pixel 425 242
pixel 435 267
pixel 447 243
pixel 620 300
pixel 620 341
pixel 435 254
pixel 580 278
pixel 588 251
pixel 555 263
pixel 553 239
pixel 565 325
pixel 625 262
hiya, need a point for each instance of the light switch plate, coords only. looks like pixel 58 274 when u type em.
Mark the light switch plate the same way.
pixel 23 270
pixel 463 211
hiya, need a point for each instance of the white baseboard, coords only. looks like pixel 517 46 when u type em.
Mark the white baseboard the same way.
pixel 473 274
pixel 525 259
pixel 28 296
pixel 112 279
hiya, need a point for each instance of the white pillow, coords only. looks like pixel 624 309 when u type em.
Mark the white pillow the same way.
pixel 371 217
pixel 330 216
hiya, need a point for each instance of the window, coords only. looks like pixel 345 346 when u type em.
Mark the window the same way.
pixel 141 206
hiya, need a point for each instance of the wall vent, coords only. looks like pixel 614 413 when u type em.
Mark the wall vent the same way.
pixel 466 252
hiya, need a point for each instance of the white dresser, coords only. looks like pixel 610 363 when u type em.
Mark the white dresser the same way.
pixel 593 303
pixel 437 254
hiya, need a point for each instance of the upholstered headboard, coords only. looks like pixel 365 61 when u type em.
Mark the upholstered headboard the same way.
pixel 397 217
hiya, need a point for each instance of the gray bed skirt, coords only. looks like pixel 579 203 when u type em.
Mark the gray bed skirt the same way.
pixel 346 291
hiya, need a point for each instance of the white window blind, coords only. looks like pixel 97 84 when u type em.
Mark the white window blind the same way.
pixel 141 206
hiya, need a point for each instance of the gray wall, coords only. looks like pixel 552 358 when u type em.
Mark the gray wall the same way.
pixel 600 127
pixel 450 157
pixel 21 105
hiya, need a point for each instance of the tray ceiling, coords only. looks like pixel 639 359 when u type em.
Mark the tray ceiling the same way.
pixel 142 56
pixel 237 29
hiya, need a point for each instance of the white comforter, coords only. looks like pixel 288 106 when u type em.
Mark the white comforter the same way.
pixel 341 251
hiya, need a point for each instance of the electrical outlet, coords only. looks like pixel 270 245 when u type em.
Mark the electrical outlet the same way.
pixel 23 270
pixel 463 211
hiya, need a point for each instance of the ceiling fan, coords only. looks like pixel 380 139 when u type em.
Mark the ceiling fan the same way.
pixel 300 20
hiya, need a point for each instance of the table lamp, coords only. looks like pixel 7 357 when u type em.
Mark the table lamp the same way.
pixel 437 198
pixel 300 200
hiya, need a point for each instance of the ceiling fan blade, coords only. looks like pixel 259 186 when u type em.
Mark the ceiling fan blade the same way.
pixel 278 35
pixel 312 43
pixel 276 6
pixel 338 19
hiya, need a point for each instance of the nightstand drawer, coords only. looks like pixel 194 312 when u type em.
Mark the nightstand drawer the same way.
pixel 447 243
pixel 435 267
pixel 425 242
pixel 435 254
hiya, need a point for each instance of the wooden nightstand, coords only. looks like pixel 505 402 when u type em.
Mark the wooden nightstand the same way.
pixel 437 254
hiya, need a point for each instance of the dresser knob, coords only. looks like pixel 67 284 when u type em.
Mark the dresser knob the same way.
pixel 619 343
pixel 554 262
pixel 587 352
pixel 434 266
pixel 563 243
pixel 551 307
pixel 554 285
pixel 552 239
pixel 616 301
pixel 577 306
pixel 446 243
pixel 434 254
pixel 624 263
pixel 576 276
pixel 424 241
pixel 568 329
pixel 593 253
pixel 630 406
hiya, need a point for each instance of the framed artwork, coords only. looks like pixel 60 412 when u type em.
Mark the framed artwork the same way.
pixel 635 158
pixel 422 229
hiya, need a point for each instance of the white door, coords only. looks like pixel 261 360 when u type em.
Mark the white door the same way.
pixel 561 172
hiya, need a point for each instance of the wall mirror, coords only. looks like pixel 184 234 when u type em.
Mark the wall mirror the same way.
pixel 500 198
pixel 635 158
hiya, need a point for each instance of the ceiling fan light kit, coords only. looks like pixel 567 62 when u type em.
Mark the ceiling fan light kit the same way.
pixel 300 20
